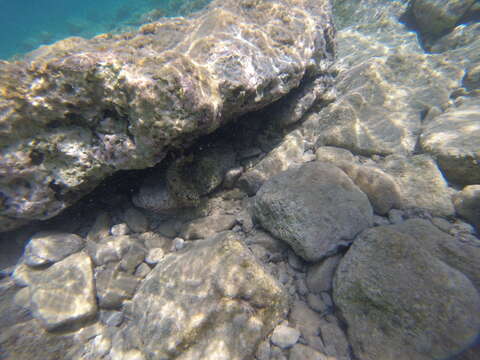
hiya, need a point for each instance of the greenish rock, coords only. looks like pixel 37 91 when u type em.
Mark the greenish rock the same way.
pixel 402 302
pixel 314 207
pixel 210 300
pixel 436 17
pixel 77 111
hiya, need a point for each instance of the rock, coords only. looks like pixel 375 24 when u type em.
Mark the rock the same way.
pixel 336 344
pixel 467 204
pixel 315 208
pixel 154 256
pixel 114 286
pixel 289 152
pixel 136 221
pixel 316 303
pixel 334 155
pixel 276 248
pixel 231 177
pixel 118 102
pixel 214 296
pixel 153 240
pixel 263 351
pixel 111 318
pixel 120 229
pixel 100 228
pixel 178 244
pixel 396 216
pixel 142 270
pixel 421 182
pixel 305 320
pixel 402 302
pixel 320 275
pixel 284 336
pixel 460 255
pixel 437 17
pixel 207 226
pixel 454 139
pixel 49 247
pixel 382 189
pixel 471 81
pixel 295 262
pixel 302 352
pixel 64 294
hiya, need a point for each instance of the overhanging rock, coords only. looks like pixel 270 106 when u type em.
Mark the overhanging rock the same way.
pixel 77 111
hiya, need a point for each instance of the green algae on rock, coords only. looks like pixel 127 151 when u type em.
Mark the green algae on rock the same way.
pixel 75 112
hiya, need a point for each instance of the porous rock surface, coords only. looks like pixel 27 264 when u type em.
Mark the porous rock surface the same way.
pixel 75 112
pixel 315 208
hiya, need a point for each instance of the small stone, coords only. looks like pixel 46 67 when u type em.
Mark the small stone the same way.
pixel 302 352
pixel 111 318
pixel 49 247
pixel 263 351
pixel 153 240
pixel 320 275
pixel 154 256
pixel 301 286
pixel 395 216
pixel 114 286
pixel 142 270
pixel 327 299
pixel 101 227
pixel 169 228
pixel 120 229
pixel 285 336
pixel 334 155
pixel 208 226
pixel 380 220
pixel 461 227
pixel 231 177
pixel 136 221
pixel 316 303
pixel 178 244
pixel 467 204
pixel 245 220
pixel 295 261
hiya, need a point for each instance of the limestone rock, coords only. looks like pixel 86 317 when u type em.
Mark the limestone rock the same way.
pixel 114 286
pixel 208 226
pixel 302 352
pixel 315 208
pixel 210 300
pixel 421 183
pixel 285 336
pixel 382 189
pixel 458 254
pixel 65 293
pixel 75 112
pixel 49 247
pixel 401 302
pixel 136 220
pixel 467 204
pixel 320 275
pixel 436 17
pixel 454 138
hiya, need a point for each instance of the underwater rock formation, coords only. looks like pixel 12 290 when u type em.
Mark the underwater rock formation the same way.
pixel 77 111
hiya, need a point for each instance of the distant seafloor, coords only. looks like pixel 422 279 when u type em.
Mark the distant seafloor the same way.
pixel 27 24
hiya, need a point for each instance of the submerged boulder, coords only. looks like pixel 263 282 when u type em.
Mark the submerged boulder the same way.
pixel 315 208
pixel 75 112
pixel 210 301
pixel 401 301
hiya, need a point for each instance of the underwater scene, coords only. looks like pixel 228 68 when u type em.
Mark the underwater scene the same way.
pixel 240 180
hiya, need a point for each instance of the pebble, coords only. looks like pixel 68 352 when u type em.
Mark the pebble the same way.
pixel 395 216
pixel 178 244
pixel 120 229
pixel 316 303
pixel 154 256
pixel 142 270
pixel 295 262
pixel 284 336
pixel 111 318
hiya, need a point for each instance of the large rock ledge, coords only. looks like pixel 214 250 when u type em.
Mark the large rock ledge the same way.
pixel 75 112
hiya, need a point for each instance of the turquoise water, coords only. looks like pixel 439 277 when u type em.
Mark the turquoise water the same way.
pixel 27 24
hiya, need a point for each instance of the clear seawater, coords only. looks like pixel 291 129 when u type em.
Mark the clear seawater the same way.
pixel 27 24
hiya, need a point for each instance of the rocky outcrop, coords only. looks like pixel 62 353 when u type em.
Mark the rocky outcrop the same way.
pixel 212 300
pixel 75 112
pixel 315 208
pixel 402 302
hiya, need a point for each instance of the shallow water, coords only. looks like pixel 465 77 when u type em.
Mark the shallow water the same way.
pixel 28 24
